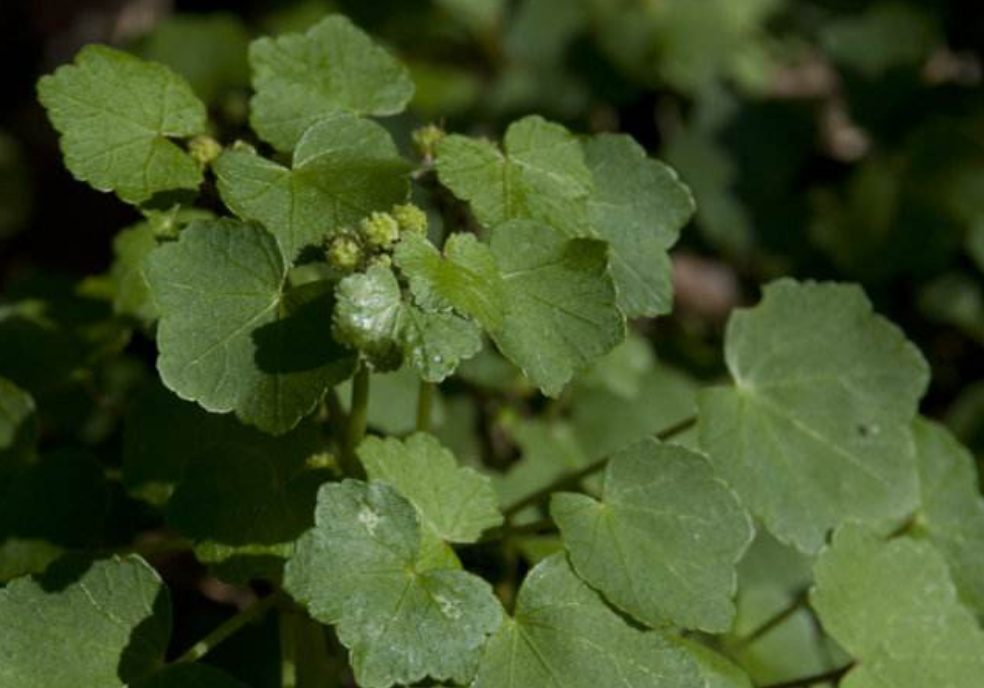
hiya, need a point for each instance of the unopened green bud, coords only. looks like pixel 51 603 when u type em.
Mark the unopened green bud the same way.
pixel 245 146
pixel 204 149
pixel 425 139
pixel 380 260
pixel 344 253
pixel 380 230
pixel 410 218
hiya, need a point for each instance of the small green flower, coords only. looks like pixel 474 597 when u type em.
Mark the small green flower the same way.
pixel 380 260
pixel 380 231
pixel 344 253
pixel 425 139
pixel 204 149
pixel 410 218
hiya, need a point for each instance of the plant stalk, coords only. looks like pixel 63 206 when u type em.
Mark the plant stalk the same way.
pixel 229 628
pixel 773 621
pixel 358 413
pixel 425 406
pixel 592 468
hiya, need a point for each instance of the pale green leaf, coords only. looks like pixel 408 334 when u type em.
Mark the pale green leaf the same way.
pixel 564 636
pixel 117 115
pixel 815 430
pixel 343 169
pixel 540 175
pixel 561 312
pixel 359 568
pixel 457 504
pixel 639 206
pixel 465 277
pixel 663 541
pixel 101 624
pixel 301 78
pixel 951 510
pixel 233 336
pixel 893 606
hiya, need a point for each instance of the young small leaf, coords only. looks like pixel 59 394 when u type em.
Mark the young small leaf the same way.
pixel 302 78
pixel 360 569
pixel 233 336
pixel 117 115
pixel 893 606
pixel 562 311
pixel 369 316
pixel 343 169
pixel 541 175
pixel 663 542
pixel 815 431
pixel 456 504
pixel 466 277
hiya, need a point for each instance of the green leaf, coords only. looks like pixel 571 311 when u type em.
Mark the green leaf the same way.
pixel 132 293
pixel 465 277
pixel 233 336
pixel 117 115
pixel 639 206
pixel 343 169
pixel 104 624
pixel 456 504
pixel 369 316
pixel 815 430
pixel 893 606
pixel 540 175
pixel 435 343
pixel 302 78
pixel 561 312
pixel 951 510
pixel 564 636
pixel 162 434
pixel 18 424
pixel 190 676
pixel 663 541
pixel 360 569
pixel 372 317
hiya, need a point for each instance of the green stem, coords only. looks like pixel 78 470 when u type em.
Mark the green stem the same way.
pixel 773 621
pixel 573 479
pixel 831 676
pixel 356 432
pixel 288 649
pixel 229 628
pixel 425 406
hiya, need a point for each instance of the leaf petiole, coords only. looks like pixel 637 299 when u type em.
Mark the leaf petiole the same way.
pixel 574 478
pixel 229 628
pixel 356 431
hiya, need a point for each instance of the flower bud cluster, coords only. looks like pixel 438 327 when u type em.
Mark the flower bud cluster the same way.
pixel 372 242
